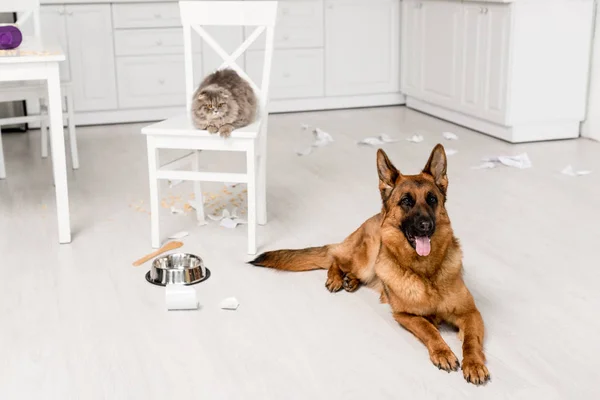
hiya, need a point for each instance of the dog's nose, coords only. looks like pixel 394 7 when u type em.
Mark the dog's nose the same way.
pixel 424 225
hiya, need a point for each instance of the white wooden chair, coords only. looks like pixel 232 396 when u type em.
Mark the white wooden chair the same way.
pixel 179 133
pixel 19 91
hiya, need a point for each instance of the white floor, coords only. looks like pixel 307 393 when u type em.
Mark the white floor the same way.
pixel 79 322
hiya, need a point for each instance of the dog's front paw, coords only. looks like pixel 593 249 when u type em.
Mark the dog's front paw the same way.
pixel 334 283
pixel 351 283
pixel 475 372
pixel 444 359
pixel 212 129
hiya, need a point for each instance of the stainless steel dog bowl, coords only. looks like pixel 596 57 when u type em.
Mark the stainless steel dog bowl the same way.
pixel 177 268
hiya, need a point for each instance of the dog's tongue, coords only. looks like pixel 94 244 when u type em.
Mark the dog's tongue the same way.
pixel 423 245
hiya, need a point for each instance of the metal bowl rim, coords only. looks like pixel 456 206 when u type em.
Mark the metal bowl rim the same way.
pixel 205 277
pixel 155 261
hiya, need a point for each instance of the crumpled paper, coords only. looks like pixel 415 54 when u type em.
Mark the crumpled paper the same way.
pixel 449 136
pixel 570 171
pixel 230 303
pixel 322 138
pixel 415 138
pixel 228 219
pixel 179 235
pixel 378 140
pixel 520 161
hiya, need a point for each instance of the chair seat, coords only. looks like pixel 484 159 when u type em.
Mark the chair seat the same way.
pixel 182 125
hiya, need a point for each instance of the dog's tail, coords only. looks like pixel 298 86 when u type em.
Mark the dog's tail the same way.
pixel 295 260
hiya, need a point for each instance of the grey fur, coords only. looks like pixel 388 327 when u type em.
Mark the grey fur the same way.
pixel 224 101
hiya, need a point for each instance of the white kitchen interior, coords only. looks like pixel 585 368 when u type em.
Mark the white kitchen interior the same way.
pixel 513 69
pixel 510 88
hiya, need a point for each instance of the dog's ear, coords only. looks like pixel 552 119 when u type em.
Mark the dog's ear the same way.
pixel 388 174
pixel 436 167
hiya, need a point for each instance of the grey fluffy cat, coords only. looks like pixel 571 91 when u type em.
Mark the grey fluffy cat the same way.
pixel 224 101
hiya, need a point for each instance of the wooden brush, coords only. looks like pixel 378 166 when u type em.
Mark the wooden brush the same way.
pixel 167 247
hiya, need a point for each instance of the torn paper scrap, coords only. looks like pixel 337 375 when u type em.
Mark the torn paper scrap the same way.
pixel 485 165
pixel 520 161
pixel 377 140
pixel 228 219
pixel 416 138
pixel 175 210
pixel 451 152
pixel 570 171
pixel 322 138
pixel 231 184
pixel 304 127
pixel 229 303
pixel 179 235
pixel 174 182
pixel 449 136
pixel 181 297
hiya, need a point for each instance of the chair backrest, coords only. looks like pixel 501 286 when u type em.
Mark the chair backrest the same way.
pixel 261 14
pixel 25 10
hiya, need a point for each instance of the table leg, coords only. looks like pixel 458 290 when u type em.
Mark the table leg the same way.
pixel 57 145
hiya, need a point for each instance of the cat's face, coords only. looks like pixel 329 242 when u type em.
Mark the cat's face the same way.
pixel 213 104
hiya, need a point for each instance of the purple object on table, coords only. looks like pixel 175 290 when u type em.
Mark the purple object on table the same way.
pixel 10 37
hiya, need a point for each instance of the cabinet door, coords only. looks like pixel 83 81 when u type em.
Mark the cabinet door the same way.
pixel 54 28
pixel 496 62
pixel 92 57
pixel 484 68
pixel 362 42
pixel 441 52
pixel 412 37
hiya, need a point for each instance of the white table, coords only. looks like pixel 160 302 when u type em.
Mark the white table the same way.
pixel 36 60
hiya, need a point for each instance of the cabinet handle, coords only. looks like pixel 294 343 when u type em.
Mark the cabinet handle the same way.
pixel 69 13
pixel 485 11
pixel 159 42
pixel 419 5
pixel 285 11
pixel 157 16
pixel 286 75
pixel 330 6
pixel 286 37
pixel 161 81
pixel 61 12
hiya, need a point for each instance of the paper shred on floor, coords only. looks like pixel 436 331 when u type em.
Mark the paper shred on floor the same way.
pixel 321 139
pixel 378 140
pixel 230 303
pixel 175 210
pixel 175 183
pixel 451 152
pixel 230 184
pixel 179 235
pixel 570 171
pixel 227 219
pixel 449 136
pixel 415 138
pixel 304 127
pixel 520 161
pixel 485 165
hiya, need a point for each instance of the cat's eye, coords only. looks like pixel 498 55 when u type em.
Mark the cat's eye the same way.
pixel 221 105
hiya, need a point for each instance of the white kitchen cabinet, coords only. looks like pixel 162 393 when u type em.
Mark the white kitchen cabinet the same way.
pixel 92 57
pixel 441 54
pixel 362 46
pixel 482 65
pixel 54 27
pixel 484 73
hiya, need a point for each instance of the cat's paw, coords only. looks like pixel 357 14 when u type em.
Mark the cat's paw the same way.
pixel 225 130
pixel 212 129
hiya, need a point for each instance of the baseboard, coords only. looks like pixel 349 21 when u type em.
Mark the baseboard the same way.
pixel 275 106
pixel 531 132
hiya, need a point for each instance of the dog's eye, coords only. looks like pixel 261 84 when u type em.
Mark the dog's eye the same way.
pixel 406 201
pixel 431 199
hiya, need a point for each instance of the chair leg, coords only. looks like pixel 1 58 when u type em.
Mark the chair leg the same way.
pixel 72 134
pixel 44 130
pixel 198 190
pixel 152 169
pixel 2 167
pixel 251 172
pixel 262 181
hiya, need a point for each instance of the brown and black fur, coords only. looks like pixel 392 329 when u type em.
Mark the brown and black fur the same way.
pixel 422 291
pixel 224 101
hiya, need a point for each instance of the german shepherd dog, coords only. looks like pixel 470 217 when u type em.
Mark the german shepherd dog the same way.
pixel 407 252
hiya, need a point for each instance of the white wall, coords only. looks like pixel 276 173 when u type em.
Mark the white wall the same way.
pixel 591 126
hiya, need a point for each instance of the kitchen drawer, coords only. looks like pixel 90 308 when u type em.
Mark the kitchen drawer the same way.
pixel 294 74
pixel 147 15
pixel 152 81
pixel 299 25
pixel 133 42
